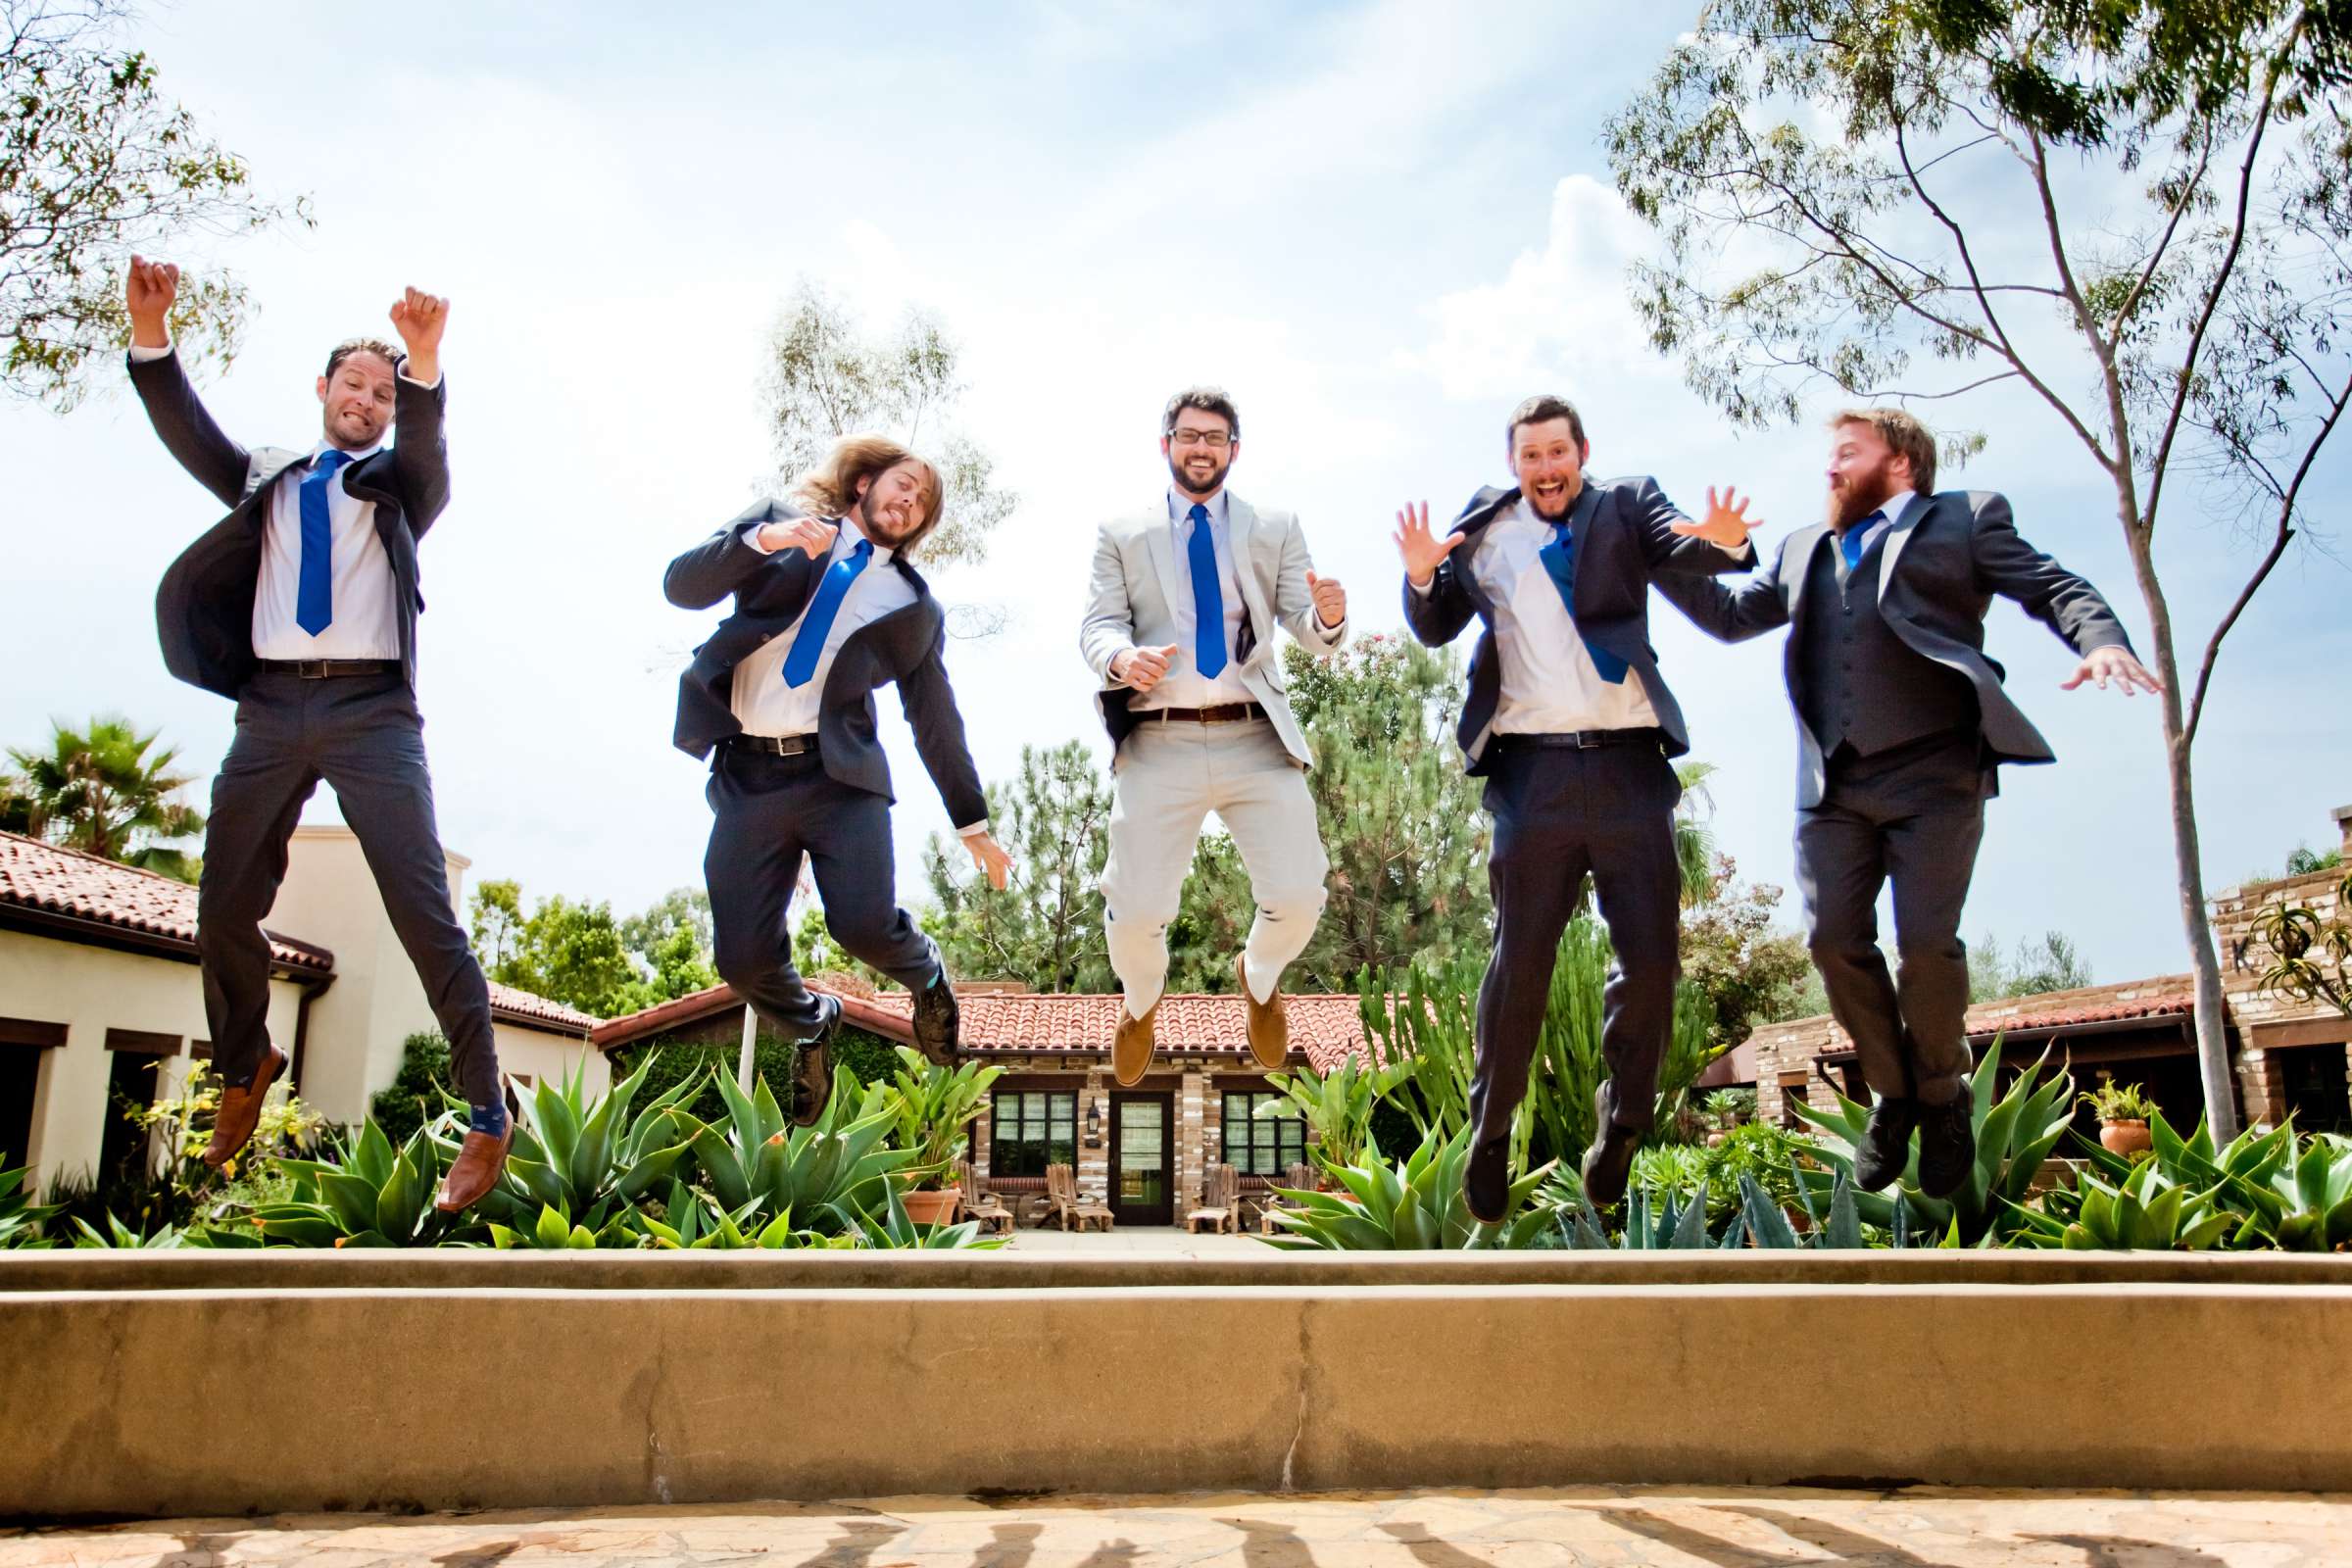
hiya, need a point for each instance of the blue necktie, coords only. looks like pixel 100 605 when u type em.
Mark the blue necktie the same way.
pixel 1560 562
pixel 314 585
pixel 1850 543
pixel 1209 597
pixel 809 644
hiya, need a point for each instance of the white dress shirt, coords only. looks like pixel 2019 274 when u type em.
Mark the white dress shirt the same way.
pixel 762 703
pixel 1184 686
pixel 364 600
pixel 1550 685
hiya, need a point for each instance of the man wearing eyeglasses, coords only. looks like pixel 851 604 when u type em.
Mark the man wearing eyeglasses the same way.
pixel 1179 628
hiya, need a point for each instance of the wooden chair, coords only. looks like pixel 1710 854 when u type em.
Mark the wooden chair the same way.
pixel 1061 1190
pixel 1299 1179
pixel 1220 1201
pixel 986 1208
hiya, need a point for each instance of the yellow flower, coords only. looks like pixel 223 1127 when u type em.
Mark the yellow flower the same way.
pixel 340 1239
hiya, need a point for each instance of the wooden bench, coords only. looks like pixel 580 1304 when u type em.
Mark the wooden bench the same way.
pixel 1061 1189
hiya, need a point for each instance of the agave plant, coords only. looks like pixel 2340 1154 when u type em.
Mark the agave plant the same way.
pixel 1680 1224
pixel 589 1161
pixel 121 1237
pixel 1415 1206
pixel 1672 1224
pixel 826 1173
pixel 2015 1134
pixel 931 1106
pixel 2271 1193
pixel 555 1231
pixel 19 1218
pixel 2148 1211
pixel 1337 1106
pixel 371 1195
pixel 892 1231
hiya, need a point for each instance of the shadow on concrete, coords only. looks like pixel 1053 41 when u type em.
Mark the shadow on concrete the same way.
pixel 1265 1545
pixel 1428 1549
pixel 2124 1552
pixel 479 1556
pixel 1013 1546
pixel 1683 1538
pixel 855 1548
pixel 1112 1553
pixel 1842 1544
pixel 197 1548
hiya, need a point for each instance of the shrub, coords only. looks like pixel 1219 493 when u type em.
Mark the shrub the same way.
pixel 413 1096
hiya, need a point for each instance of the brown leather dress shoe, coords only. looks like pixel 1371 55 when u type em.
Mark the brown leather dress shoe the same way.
pixel 241 1111
pixel 475 1170
pixel 1269 1024
pixel 1131 1049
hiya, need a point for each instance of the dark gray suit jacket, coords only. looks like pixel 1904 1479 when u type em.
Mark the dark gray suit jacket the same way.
pixel 204 609
pixel 1939 566
pixel 1622 538
pixel 906 646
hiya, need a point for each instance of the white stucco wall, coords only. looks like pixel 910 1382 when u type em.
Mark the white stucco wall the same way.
pixel 92 990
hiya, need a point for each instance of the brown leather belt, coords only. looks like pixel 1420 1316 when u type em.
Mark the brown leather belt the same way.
pixel 774 745
pixel 1226 713
pixel 322 668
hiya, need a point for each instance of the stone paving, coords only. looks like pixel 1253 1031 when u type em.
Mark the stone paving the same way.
pixel 1651 1527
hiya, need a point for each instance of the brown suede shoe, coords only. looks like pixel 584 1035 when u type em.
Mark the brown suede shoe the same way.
pixel 241 1111
pixel 1269 1024
pixel 1131 1049
pixel 475 1170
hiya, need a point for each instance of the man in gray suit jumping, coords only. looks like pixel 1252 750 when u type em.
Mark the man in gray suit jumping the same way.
pixel 1179 628
pixel 1900 723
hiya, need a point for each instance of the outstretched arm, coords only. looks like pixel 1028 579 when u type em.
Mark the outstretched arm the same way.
pixel 420 454
pixel 188 433
pixel 929 702
pixel 2072 608
pixel 1672 543
pixel 1436 606
pixel 1730 614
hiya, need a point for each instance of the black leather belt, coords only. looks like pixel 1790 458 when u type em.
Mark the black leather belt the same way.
pixel 774 745
pixel 1585 740
pixel 322 668
pixel 1226 714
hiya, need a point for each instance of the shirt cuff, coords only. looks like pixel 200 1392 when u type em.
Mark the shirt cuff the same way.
pixel 974 830
pixel 1422 590
pixel 411 380
pixel 144 355
pixel 751 537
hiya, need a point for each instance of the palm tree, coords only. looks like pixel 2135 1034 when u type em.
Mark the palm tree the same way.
pixel 1694 840
pixel 99 791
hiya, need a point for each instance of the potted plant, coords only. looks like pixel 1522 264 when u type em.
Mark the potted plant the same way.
pixel 1729 1107
pixel 931 1107
pixel 2123 1110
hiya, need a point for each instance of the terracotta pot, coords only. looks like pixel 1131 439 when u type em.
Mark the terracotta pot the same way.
pixel 2126 1137
pixel 932 1205
pixel 1716 1139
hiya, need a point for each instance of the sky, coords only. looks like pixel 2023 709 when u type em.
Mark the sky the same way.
pixel 1379 226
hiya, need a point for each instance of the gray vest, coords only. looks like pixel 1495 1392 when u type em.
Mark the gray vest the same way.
pixel 1858 683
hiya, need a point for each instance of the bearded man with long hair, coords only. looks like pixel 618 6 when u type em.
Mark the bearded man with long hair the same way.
pixel 828 609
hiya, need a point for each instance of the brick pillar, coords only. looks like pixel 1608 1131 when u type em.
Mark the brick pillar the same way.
pixel 1094 1164
pixel 2261 1089
pixel 1191 1149
pixel 978 1132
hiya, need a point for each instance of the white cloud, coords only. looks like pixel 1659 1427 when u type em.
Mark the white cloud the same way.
pixel 1558 316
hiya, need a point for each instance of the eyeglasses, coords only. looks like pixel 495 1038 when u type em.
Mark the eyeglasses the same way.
pixel 1214 440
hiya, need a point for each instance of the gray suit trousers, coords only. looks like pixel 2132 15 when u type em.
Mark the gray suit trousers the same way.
pixel 770 810
pixel 362 735
pixel 1913 815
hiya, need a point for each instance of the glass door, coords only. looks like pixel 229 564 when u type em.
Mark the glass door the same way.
pixel 1142 1183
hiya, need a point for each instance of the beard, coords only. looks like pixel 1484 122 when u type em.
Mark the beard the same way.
pixel 1191 487
pixel 1857 498
pixel 1574 487
pixel 879 527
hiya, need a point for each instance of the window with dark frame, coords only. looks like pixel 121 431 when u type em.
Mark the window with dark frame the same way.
pixel 1261 1146
pixel 1030 1129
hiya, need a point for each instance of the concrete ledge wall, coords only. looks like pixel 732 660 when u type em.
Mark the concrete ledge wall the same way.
pixel 210 1397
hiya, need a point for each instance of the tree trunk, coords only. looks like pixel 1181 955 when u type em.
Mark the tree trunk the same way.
pixel 2204 962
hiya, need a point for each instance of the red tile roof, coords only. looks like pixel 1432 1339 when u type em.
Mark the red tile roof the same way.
pixel 510 1005
pixel 2164 996
pixel 1327 1029
pixel 71 886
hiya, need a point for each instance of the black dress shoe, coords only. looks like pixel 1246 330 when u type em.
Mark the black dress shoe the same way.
pixel 813 1070
pixel 1886 1147
pixel 1486 1179
pixel 1947 1144
pixel 1609 1157
pixel 936 1017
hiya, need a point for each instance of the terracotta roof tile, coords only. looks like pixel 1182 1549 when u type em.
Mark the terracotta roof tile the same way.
pixel 1328 1029
pixel 511 1005
pixel 43 878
